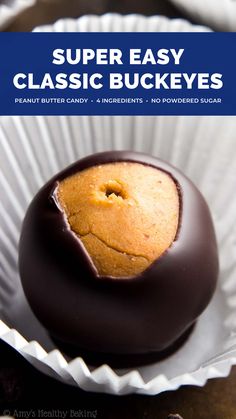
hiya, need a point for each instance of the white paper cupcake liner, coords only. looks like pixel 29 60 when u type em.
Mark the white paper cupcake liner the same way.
pixel 218 14
pixel 114 22
pixel 32 149
pixel 10 9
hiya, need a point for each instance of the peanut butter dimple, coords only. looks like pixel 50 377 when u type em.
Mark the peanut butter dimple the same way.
pixel 126 214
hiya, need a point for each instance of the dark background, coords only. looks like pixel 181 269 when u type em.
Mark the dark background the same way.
pixel 47 11
pixel 22 388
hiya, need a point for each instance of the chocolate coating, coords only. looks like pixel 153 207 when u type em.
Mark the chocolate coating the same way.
pixel 139 315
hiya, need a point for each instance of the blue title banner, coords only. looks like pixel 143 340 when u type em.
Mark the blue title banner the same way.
pixel 117 74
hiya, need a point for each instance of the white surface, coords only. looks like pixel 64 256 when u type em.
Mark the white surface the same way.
pixel 217 14
pixel 32 149
pixel 9 9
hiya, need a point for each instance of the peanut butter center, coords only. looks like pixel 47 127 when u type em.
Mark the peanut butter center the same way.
pixel 126 215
